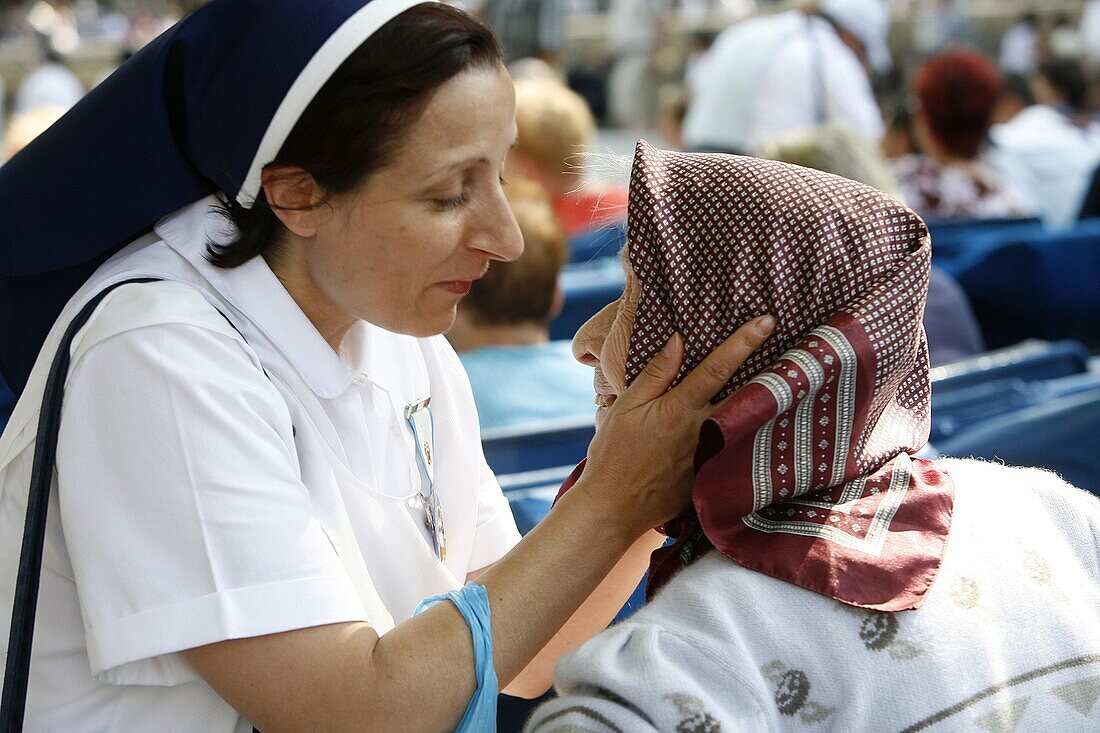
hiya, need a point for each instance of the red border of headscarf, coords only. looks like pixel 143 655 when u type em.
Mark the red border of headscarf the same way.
pixel 891 575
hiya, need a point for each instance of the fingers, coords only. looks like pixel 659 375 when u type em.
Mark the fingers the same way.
pixel 657 376
pixel 708 378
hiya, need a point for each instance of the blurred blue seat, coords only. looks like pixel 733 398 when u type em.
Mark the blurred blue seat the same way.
pixel 951 234
pixel 586 288
pixel 605 241
pixel 956 243
pixel 968 392
pixel 962 409
pixel 532 461
pixel 1028 361
pixel 958 409
pixel 1062 434
pixel 1026 282
pixel 529 510
pixel 535 453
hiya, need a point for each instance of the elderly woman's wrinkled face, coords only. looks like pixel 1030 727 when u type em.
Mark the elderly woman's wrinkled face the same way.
pixel 603 341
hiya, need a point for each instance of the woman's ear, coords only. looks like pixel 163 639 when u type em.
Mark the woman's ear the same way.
pixel 295 197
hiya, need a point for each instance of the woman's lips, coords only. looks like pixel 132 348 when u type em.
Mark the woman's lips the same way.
pixel 458 287
pixel 605 400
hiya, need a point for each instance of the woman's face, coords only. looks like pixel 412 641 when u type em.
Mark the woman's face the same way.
pixel 402 249
pixel 603 341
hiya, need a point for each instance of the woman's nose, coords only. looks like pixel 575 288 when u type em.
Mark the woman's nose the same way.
pixel 498 235
pixel 588 342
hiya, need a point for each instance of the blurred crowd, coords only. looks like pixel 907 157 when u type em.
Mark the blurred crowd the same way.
pixel 907 98
pixel 969 122
pixel 963 109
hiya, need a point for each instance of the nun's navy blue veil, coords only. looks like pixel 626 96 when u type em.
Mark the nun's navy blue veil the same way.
pixel 181 119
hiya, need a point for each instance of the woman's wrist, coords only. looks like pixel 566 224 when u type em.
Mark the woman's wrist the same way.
pixel 614 524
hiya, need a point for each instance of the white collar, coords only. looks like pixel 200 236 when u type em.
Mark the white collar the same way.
pixel 253 289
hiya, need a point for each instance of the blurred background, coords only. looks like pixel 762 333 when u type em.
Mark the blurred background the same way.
pixel 979 114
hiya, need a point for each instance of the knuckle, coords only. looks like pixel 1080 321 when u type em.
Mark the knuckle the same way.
pixel 655 369
pixel 717 370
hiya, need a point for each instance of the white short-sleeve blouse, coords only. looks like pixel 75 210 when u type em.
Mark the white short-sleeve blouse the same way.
pixel 224 475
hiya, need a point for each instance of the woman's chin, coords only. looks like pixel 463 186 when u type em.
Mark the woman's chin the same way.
pixel 602 409
pixel 423 325
pixel 601 415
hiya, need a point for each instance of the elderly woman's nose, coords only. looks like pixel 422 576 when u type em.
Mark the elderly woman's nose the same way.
pixel 588 342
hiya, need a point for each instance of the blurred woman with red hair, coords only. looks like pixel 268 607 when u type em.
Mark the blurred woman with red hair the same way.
pixel 956 92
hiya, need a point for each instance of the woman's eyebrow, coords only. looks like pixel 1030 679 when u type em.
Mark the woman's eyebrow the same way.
pixel 481 160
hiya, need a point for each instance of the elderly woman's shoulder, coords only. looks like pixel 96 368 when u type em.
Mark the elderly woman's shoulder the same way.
pixel 991 481
pixel 996 507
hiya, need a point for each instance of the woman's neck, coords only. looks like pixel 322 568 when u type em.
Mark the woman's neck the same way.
pixel 329 320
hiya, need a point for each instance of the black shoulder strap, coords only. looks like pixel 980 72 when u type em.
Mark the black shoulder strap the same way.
pixel 17 670
pixel 20 637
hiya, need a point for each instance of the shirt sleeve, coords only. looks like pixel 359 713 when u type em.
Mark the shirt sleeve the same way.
pixel 495 530
pixel 495 533
pixel 182 509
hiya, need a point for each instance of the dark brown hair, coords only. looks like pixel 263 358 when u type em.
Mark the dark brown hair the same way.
pixel 356 123
pixel 523 291
pixel 957 91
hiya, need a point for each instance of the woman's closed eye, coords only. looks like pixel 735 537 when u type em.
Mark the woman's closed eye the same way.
pixel 452 203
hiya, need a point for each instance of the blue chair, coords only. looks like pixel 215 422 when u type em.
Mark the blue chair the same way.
pixel 529 510
pixel 531 462
pixel 1027 282
pixel 960 410
pixel 1062 434
pixel 953 240
pixel 954 233
pixel 1027 361
pixel 968 392
pixel 586 288
pixel 533 453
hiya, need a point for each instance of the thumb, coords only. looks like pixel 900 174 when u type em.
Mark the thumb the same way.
pixel 655 379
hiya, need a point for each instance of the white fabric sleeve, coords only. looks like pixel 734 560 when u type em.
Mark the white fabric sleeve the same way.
pixel 641 677
pixel 495 533
pixel 181 505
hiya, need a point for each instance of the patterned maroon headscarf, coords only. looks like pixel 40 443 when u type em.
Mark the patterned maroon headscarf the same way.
pixel 805 474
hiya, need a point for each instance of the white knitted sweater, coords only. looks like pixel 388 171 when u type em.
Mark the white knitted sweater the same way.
pixel 1007 640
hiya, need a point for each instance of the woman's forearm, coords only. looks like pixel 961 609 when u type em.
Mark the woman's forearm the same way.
pixel 419 676
pixel 426 663
pixel 592 617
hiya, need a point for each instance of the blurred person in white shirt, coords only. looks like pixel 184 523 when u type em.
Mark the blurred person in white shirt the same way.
pixel 1049 150
pixel 791 70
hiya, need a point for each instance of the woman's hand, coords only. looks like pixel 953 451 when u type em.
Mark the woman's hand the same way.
pixel 640 464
